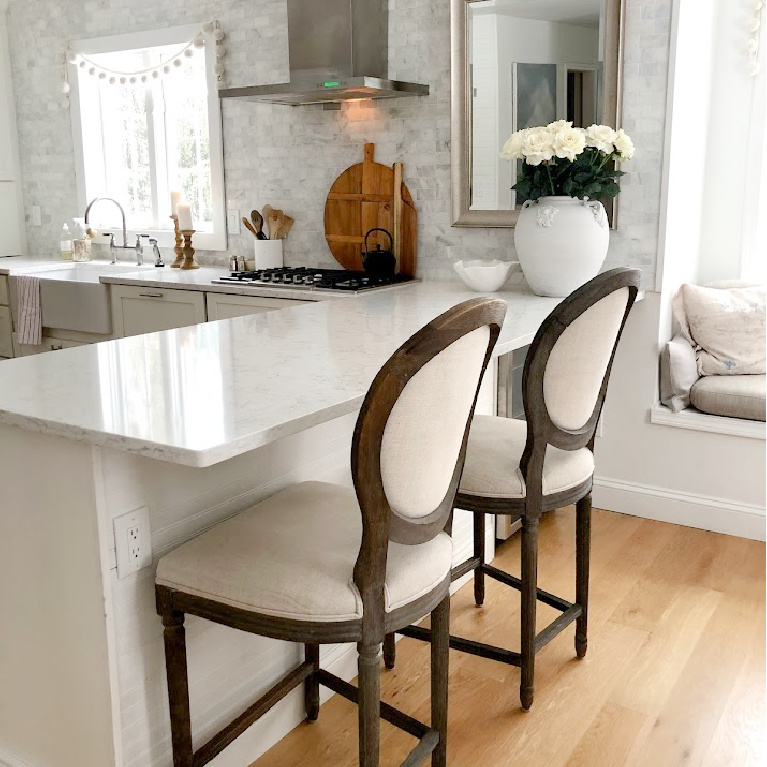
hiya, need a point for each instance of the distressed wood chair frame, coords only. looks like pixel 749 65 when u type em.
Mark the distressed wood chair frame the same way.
pixel 541 432
pixel 380 524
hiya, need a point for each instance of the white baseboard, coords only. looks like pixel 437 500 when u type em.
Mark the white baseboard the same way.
pixel 707 513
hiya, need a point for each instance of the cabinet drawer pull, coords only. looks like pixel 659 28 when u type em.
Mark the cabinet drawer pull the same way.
pixel 151 295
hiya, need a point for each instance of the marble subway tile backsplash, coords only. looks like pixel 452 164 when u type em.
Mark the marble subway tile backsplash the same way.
pixel 289 157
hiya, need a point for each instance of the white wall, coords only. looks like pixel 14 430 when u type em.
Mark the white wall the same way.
pixel 707 480
pixel 713 481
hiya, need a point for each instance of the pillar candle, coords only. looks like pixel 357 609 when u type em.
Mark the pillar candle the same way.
pixel 175 198
pixel 185 220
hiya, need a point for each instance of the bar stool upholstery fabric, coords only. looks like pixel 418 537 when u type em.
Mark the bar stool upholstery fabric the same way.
pixel 293 556
pixel 425 430
pixel 494 454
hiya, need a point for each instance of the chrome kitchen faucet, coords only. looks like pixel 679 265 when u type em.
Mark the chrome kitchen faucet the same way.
pixel 138 247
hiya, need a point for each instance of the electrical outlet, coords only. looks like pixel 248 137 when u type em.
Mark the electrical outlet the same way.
pixel 35 216
pixel 233 221
pixel 133 541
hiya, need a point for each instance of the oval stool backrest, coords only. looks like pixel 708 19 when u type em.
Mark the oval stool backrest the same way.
pixel 568 366
pixel 409 444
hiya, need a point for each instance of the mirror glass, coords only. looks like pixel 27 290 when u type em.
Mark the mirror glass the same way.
pixel 529 63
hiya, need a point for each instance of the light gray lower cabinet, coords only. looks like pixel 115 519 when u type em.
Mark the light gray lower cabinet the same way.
pixel 137 310
pixel 222 306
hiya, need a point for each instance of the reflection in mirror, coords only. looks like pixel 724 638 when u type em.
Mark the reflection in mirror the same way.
pixel 530 62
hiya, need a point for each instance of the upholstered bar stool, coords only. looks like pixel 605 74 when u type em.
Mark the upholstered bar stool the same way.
pixel 320 563
pixel 525 468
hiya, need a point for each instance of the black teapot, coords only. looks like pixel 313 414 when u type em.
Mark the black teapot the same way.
pixel 379 263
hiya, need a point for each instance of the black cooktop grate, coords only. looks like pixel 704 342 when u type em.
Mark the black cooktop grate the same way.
pixel 330 279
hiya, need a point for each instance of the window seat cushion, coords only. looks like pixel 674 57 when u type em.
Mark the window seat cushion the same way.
pixel 733 396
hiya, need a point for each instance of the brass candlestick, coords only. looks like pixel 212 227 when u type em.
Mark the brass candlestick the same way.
pixel 178 249
pixel 189 262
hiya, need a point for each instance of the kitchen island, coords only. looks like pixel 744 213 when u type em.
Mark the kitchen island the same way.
pixel 195 424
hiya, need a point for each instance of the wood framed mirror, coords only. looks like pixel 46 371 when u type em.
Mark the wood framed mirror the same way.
pixel 517 63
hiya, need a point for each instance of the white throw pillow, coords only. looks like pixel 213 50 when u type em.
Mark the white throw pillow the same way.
pixel 678 372
pixel 725 326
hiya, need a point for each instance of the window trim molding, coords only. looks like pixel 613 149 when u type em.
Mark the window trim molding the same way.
pixel 693 419
pixel 216 240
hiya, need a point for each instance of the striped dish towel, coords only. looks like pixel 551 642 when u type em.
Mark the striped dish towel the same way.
pixel 30 322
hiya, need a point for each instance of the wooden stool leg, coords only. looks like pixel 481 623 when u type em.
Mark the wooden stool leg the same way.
pixel 440 645
pixel 369 703
pixel 312 685
pixel 390 651
pixel 529 605
pixel 479 551
pixel 582 552
pixel 178 689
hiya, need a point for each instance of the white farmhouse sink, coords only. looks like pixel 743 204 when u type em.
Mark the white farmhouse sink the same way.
pixel 72 297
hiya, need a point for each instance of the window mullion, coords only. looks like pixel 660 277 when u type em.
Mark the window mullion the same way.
pixel 154 171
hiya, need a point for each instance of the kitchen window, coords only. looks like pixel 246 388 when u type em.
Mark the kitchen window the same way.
pixel 137 141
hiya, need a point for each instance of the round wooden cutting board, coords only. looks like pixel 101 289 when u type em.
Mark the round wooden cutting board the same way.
pixel 362 198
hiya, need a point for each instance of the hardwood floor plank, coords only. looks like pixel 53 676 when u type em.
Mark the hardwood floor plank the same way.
pixel 674 674
pixel 684 726
pixel 655 669
pixel 610 738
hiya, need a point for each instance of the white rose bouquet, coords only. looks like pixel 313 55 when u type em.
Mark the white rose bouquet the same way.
pixel 562 160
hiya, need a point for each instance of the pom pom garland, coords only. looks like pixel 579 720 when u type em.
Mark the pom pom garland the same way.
pixel 113 77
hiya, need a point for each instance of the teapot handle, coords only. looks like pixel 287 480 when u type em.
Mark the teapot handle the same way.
pixel 378 229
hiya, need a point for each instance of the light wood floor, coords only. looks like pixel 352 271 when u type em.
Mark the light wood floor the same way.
pixel 674 675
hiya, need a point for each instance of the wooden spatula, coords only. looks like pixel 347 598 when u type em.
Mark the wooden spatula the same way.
pixel 274 220
pixel 287 225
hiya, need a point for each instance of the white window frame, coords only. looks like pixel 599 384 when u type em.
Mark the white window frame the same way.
pixel 215 240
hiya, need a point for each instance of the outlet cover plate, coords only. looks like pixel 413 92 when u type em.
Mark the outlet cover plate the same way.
pixel 133 541
pixel 233 220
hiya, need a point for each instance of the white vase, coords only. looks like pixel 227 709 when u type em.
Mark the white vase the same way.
pixel 561 243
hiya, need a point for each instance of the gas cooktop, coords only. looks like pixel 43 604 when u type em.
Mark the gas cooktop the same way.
pixel 313 279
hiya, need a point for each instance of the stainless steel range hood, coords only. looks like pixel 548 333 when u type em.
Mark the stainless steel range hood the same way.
pixel 339 50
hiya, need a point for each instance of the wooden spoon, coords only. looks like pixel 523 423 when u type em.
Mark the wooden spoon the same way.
pixel 249 227
pixel 274 220
pixel 258 224
pixel 287 225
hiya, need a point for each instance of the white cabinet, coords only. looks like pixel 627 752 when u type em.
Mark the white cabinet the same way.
pixel 48 344
pixel 222 306
pixel 145 310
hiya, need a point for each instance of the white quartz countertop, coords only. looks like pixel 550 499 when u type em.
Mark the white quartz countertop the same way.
pixel 200 395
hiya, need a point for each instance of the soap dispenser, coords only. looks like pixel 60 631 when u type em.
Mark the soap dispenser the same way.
pixel 66 244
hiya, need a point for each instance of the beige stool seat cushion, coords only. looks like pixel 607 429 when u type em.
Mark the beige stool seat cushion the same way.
pixel 731 396
pixel 495 450
pixel 292 556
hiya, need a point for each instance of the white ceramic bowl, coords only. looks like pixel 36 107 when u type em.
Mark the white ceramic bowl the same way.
pixel 484 276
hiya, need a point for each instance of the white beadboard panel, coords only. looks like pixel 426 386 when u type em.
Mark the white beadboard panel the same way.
pixel 289 157
pixel 227 669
